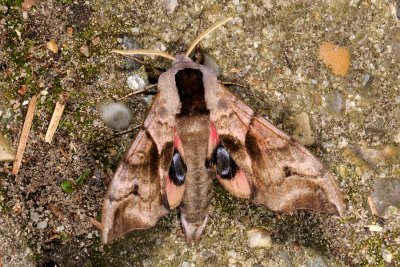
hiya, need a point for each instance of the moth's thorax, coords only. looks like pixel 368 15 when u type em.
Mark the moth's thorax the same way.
pixel 188 87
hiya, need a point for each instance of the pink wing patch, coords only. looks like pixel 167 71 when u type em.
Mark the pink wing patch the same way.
pixel 239 184
pixel 175 192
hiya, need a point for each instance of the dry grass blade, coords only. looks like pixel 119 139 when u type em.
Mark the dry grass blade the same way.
pixel 24 135
pixel 55 120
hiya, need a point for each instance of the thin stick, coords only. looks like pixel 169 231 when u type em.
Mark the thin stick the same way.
pixel 233 83
pixel 136 92
pixel 204 34
pixel 143 52
pixel 55 120
pixel 128 130
pixel 24 135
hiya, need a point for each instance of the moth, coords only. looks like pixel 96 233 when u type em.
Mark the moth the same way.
pixel 197 130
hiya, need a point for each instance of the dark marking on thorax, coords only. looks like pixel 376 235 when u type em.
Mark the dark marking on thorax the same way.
pixel 189 83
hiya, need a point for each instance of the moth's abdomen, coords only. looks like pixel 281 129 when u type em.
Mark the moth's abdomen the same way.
pixel 197 196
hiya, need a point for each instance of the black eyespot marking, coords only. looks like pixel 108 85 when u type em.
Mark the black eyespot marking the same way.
pixel 225 165
pixel 177 170
pixel 136 189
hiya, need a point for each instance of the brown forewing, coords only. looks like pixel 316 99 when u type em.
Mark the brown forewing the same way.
pixel 135 199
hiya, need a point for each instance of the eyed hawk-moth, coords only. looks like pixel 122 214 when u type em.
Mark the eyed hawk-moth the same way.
pixel 197 130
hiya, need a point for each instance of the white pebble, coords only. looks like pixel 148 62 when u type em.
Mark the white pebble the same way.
pixel 387 256
pixel 366 79
pixel 259 237
pixel 25 103
pixel 397 137
pixel 42 225
pixel 374 228
pixel 135 82
pixel 34 216
pixel 170 5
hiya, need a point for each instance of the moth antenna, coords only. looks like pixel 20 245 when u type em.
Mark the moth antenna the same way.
pixel 204 34
pixel 143 52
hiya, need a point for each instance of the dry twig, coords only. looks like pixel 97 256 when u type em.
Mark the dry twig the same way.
pixel 24 135
pixel 136 92
pixel 55 120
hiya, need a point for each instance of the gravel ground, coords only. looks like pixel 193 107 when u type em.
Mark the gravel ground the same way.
pixel 270 51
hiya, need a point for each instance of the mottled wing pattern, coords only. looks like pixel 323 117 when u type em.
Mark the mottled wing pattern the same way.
pixel 281 174
pixel 136 199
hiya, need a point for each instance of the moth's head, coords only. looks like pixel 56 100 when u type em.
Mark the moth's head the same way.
pixel 180 57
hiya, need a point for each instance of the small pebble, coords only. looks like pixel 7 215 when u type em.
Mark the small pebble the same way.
pixel 159 47
pixel 316 262
pixel 135 30
pixel 96 41
pixel 130 43
pixel 34 216
pixel 334 102
pixel 70 31
pixel 84 49
pixel 170 5
pixel 397 137
pixel 387 256
pixel 303 132
pixel 374 228
pixel 117 116
pixel 379 157
pixel 16 105
pixel 386 193
pixel 52 46
pixel 366 79
pixel 335 57
pixel 135 82
pixel 22 90
pixel 42 225
pixel 6 153
pixel 259 237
